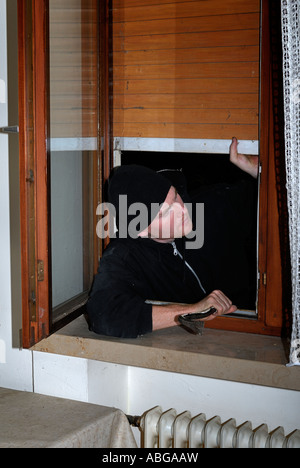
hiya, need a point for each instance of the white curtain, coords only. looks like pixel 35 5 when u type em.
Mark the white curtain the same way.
pixel 290 10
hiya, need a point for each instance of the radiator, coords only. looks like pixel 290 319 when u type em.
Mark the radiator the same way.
pixel 171 430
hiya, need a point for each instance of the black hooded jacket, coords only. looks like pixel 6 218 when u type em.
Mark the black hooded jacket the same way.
pixel 131 272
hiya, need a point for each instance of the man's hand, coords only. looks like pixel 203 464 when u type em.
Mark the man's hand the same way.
pixel 164 316
pixel 247 163
pixel 219 301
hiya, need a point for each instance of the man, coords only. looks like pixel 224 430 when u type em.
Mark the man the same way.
pixel 149 266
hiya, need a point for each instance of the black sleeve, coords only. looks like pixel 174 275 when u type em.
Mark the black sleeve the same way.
pixel 114 307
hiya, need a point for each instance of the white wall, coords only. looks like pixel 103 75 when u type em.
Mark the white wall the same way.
pixel 15 365
pixel 272 406
pixel 135 390
pixel 131 389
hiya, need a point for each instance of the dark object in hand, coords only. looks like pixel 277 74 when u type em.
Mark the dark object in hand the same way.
pixel 194 322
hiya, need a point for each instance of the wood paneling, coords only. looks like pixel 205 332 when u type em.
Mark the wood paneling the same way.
pixel 147 9
pixel 189 86
pixel 187 40
pixel 187 130
pixel 184 101
pixel 178 71
pixel 186 69
pixel 190 24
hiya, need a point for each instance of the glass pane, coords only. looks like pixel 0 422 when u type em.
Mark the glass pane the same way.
pixel 73 104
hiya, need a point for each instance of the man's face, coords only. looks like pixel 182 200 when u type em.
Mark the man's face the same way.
pixel 173 220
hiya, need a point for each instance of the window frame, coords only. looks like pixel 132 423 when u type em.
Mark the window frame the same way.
pixel 269 288
pixel 34 164
pixel 33 140
pixel 34 182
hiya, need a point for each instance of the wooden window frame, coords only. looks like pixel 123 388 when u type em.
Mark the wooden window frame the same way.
pixel 269 319
pixel 33 140
pixel 34 163
pixel 34 184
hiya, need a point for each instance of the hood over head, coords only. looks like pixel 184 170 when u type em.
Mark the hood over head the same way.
pixel 143 191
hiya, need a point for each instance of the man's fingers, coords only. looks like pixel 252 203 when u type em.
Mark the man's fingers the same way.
pixel 221 302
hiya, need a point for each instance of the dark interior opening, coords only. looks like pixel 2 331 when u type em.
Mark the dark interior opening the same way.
pixel 230 218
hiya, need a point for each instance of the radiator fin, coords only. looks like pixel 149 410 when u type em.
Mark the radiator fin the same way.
pixel 167 429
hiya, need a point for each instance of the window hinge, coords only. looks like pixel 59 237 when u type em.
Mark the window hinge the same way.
pixel 261 279
pixel 264 279
pixel 40 270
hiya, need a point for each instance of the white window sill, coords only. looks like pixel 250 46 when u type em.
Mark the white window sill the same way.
pixel 239 357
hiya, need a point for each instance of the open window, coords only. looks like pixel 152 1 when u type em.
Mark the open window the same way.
pixel 185 83
pixel 230 199
pixel 64 155
pixel 65 101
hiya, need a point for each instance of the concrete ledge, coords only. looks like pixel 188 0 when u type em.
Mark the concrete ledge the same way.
pixel 239 357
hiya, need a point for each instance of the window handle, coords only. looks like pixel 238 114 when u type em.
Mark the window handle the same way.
pixel 13 129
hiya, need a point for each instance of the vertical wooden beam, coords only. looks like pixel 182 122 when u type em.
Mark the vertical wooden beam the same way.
pixel 26 169
pixel 40 74
pixel 32 32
